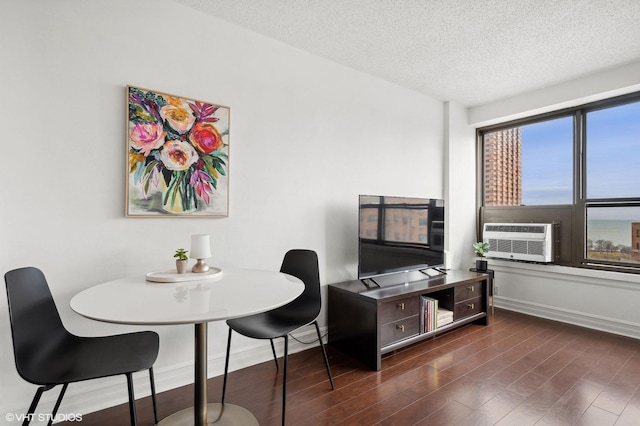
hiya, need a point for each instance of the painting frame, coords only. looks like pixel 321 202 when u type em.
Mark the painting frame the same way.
pixel 177 156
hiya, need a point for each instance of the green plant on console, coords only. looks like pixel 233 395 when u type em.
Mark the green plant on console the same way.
pixel 181 254
pixel 481 248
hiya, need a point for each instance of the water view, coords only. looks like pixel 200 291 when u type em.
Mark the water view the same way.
pixel 614 240
pixel 616 231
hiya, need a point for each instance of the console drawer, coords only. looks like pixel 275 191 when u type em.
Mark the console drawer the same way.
pixel 393 311
pixel 399 330
pixel 466 308
pixel 467 291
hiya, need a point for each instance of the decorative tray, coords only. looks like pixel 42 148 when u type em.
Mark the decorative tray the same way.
pixel 172 276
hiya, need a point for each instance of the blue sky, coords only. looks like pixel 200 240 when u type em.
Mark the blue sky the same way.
pixel 613 166
pixel 613 154
pixel 547 155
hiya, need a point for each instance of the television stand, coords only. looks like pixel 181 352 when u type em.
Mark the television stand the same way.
pixel 397 278
pixel 369 322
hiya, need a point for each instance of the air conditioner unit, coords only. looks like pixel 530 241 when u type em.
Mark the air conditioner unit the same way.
pixel 520 241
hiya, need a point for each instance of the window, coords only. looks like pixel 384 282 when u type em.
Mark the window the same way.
pixel 530 164
pixel 613 152
pixel 612 176
pixel 585 159
pixel 612 234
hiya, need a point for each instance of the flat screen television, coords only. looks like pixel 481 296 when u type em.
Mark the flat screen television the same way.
pixel 399 234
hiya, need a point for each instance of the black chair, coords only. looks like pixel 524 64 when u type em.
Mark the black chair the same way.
pixel 46 354
pixel 282 321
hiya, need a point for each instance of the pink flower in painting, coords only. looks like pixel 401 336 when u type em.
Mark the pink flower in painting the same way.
pixel 179 118
pixel 200 181
pixel 205 137
pixel 178 155
pixel 146 137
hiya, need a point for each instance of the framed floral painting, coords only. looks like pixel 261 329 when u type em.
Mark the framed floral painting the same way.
pixel 177 156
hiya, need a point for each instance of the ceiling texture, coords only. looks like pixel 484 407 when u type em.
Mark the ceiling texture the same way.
pixel 468 51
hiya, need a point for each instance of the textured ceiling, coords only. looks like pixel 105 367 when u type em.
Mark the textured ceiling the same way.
pixel 468 51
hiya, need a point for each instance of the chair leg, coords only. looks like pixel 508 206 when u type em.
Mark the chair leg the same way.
pixel 275 358
pixel 226 366
pixel 152 383
pixel 324 354
pixel 58 402
pixel 34 404
pixel 132 400
pixel 284 378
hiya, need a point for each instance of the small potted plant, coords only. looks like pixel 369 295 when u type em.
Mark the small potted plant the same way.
pixel 181 260
pixel 481 248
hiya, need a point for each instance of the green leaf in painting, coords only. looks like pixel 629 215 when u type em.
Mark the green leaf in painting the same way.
pixel 138 115
pixel 149 167
pixel 218 164
pixel 172 134
pixel 145 186
pixel 220 154
pixel 210 170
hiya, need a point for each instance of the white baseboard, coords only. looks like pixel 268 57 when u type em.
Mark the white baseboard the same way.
pixel 595 322
pixel 94 395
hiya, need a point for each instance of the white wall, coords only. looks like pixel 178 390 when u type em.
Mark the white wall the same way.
pixel 596 299
pixel 307 136
pixel 460 175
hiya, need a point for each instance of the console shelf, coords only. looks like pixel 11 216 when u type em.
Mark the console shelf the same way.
pixel 368 322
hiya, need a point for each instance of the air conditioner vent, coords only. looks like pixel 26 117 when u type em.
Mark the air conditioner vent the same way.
pixel 514 228
pixel 530 241
pixel 536 247
pixel 520 246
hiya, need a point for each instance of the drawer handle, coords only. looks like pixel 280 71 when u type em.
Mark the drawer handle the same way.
pixel 401 306
pixel 471 288
pixel 400 327
pixel 471 305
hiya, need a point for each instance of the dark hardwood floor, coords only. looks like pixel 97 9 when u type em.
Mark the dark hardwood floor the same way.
pixel 519 370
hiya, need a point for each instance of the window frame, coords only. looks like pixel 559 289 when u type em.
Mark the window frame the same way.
pixel 573 242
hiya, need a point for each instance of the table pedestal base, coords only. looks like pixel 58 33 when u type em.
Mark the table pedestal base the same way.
pixel 217 414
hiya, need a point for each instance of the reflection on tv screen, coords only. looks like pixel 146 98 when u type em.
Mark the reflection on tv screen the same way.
pixel 398 234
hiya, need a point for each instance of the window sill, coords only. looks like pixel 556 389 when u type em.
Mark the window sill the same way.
pixel 566 273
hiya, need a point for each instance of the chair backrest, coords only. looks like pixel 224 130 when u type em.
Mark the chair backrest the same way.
pixel 36 327
pixel 303 264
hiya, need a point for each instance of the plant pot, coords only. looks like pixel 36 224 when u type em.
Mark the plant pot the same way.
pixel 181 266
pixel 481 265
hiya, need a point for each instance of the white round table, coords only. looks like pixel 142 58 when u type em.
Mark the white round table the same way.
pixel 233 293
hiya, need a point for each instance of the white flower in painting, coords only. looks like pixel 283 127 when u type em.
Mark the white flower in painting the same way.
pixel 178 155
pixel 179 118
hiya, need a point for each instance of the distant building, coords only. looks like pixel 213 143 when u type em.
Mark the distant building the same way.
pixel 503 167
pixel 635 241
